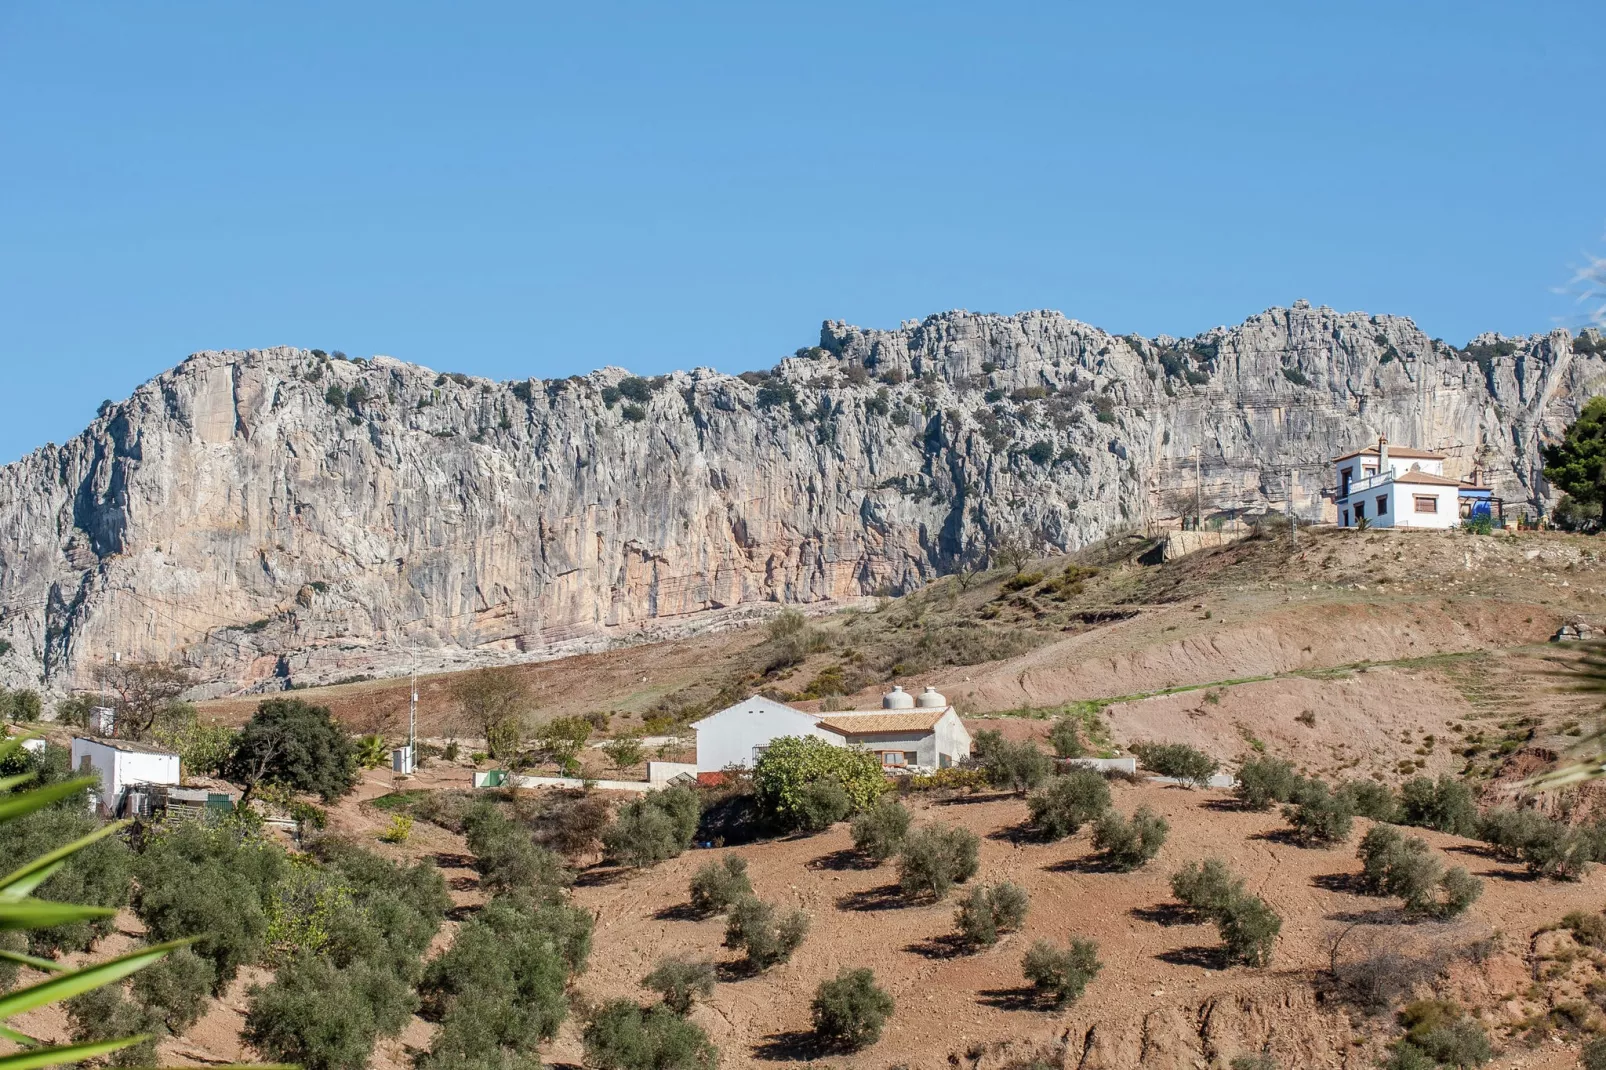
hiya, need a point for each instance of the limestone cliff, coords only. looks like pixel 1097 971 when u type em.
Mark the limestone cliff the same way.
pixel 276 515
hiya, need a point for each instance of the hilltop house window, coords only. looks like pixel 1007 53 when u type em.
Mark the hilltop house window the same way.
pixel 1346 518
pixel 1382 504
pixel 1343 482
pixel 1426 503
pixel 1360 510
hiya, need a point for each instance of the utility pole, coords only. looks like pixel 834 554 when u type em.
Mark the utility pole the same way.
pixel 412 727
pixel 1198 493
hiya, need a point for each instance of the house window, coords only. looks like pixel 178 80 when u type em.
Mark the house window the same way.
pixel 1343 482
pixel 1367 473
pixel 892 757
pixel 1382 504
pixel 758 752
pixel 1426 503
pixel 1346 518
pixel 1360 510
pixel 910 757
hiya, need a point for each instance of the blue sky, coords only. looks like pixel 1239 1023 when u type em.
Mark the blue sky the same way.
pixel 526 189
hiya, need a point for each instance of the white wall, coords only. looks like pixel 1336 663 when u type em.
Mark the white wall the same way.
pixel 1402 507
pixel 118 769
pixel 728 737
pixel 952 739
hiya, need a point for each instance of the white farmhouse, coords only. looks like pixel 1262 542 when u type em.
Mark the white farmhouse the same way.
pixel 1404 488
pixel 905 733
pixel 122 765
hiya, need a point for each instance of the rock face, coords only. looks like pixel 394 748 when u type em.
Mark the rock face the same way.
pixel 276 515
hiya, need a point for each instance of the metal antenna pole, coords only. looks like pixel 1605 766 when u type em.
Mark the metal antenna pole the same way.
pixel 412 727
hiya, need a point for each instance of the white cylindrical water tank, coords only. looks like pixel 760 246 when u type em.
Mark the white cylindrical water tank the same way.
pixel 897 699
pixel 931 699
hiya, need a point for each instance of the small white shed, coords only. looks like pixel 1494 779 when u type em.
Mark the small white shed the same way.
pixel 122 764
pixel 738 734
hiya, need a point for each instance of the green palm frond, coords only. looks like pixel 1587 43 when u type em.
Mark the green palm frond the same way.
pixel 1584 671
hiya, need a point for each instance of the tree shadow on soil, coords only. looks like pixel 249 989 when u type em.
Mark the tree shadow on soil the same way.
pixel 796 1045
pixel 845 859
pixel 883 897
pixel 601 876
pixel 1167 915
pixel 1082 864
pixel 946 946
pixel 452 860
pixel 1228 806
pixel 1020 998
pixel 1205 957
pixel 1290 838
pixel 976 800
pixel 679 912
pixel 1347 883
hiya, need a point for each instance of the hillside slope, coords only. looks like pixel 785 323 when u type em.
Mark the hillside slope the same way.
pixel 274 516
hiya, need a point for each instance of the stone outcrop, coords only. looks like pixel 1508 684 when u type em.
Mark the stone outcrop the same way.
pixel 275 515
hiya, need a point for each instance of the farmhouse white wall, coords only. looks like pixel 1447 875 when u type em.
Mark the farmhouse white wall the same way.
pixel 952 739
pixel 729 737
pixel 119 768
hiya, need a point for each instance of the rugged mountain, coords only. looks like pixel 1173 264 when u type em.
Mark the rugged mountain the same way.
pixel 276 515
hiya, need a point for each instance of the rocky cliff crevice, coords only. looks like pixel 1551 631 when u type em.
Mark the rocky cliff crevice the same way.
pixel 278 515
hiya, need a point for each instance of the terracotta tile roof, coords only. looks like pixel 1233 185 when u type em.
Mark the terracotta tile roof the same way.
pixel 1403 452
pixel 858 724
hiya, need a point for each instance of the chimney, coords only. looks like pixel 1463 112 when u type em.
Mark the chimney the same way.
pixel 1382 455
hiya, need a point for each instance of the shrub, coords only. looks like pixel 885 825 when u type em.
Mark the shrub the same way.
pixel 1016 766
pixel 681 983
pixel 936 858
pixel 295 745
pixel 506 856
pixel 104 1014
pixel 1258 1061
pixel 1459 890
pixel 1507 830
pixel 324 1018
pixel 1445 804
pixel 850 1010
pixel 1066 738
pixel 754 928
pixel 1126 845
pixel 879 832
pixel 1320 818
pixel 502 982
pixel 636 389
pixel 657 826
pixel 174 990
pixel 1593 1057
pixel 1392 864
pixel 622 1036
pixel 792 763
pixel 625 752
pixel 718 885
pixel 1207 888
pixel 1068 803
pixel 634 413
pixel 988 911
pixel 1248 929
pixel 401 827
pixel 1061 975
pixel 96 875
pixel 822 804
pixel 213 883
pixel 1368 798
pixel 1439 1031
pixel 1185 764
pixel 1263 781
pixel 1557 851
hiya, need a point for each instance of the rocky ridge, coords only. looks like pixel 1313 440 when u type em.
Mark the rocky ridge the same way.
pixel 278 516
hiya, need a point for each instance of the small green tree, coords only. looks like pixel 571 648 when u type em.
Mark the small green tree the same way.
pixel 657 826
pixel 1011 765
pixel 1187 765
pixel 175 990
pixel 681 983
pixel 936 858
pixel 1445 804
pixel 295 745
pixel 1069 802
pixel 879 831
pixel 1126 845
pixel 324 1018
pixel 102 1014
pixel 1593 1057
pixel 1061 975
pixel 850 1010
pixel 1066 738
pixel 96 875
pixel 1577 464
pixel 1264 781
pixel 1368 798
pixel 988 911
pixel 495 703
pixel 791 763
pixel 821 804
pixel 1319 818
pixel 718 885
pixel 1207 888
pixel 1249 929
pixel 625 752
pixel 767 937
pixel 623 1036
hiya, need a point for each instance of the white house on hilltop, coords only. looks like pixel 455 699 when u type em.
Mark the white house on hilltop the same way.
pixel 122 766
pixel 1397 487
pixel 907 732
